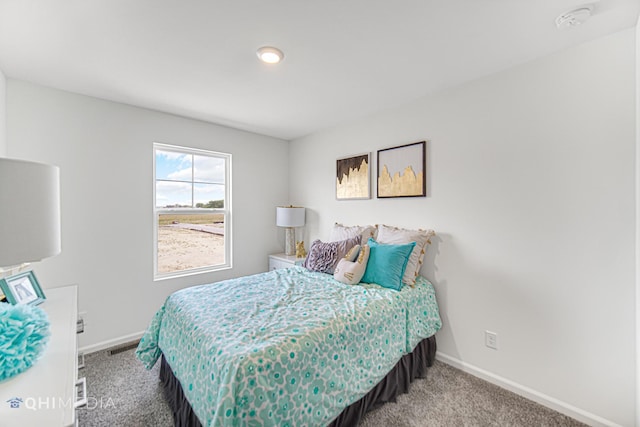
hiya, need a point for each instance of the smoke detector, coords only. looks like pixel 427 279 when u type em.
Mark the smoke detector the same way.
pixel 575 17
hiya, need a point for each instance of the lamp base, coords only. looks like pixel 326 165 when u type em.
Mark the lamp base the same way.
pixel 290 241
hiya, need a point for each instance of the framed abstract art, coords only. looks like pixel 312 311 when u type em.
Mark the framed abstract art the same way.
pixel 353 178
pixel 402 171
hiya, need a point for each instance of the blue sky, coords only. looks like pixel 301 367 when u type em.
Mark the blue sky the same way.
pixel 181 170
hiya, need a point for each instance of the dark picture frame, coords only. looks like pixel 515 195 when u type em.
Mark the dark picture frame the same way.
pixel 22 288
pixel 353 177
pixel 402 171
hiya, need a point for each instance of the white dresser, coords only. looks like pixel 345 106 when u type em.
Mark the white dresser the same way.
pixel 47 393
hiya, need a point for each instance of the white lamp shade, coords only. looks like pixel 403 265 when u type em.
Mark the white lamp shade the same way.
pixel 29 211
pixel 289 216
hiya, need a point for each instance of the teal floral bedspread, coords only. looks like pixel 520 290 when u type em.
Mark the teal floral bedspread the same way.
pixel 285 348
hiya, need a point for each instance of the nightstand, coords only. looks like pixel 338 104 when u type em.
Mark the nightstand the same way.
pixel 277 261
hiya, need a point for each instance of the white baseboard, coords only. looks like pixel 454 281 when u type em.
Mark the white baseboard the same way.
pixel 110 343
pixel 541 398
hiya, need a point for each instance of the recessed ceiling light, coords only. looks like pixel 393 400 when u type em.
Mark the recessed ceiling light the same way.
pixel 270 55
pixel 575 17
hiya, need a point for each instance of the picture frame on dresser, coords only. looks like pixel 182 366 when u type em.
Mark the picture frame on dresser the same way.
pixel 22 288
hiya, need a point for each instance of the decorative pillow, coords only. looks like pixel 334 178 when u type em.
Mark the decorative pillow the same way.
pixel 352 254
pixel 341 232
pixel 324 257
pixel 394 235
pixel 351 272
pixel 387 264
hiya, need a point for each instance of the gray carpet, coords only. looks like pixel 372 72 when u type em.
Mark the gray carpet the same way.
pixel 123 393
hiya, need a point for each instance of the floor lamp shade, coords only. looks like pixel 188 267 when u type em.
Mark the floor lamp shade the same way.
pixel 29 211
pixel 290 217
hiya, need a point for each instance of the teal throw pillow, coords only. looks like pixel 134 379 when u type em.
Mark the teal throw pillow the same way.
pixel 387 264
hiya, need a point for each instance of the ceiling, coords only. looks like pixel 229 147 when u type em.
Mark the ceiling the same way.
pixel 344 59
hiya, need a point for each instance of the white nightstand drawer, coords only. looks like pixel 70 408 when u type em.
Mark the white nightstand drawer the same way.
pixel 277 261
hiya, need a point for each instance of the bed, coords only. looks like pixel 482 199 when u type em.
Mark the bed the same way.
pixel 290 347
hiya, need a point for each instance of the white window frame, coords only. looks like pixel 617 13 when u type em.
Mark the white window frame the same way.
pixel 226 211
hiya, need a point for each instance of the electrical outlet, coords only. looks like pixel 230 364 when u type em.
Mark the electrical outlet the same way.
pixel 491 339
pixel 83 316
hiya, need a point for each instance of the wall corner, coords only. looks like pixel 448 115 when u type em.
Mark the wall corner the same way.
pixel 637 115
pixel 3 115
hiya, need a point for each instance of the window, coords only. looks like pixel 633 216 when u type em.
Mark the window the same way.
pixel 192 211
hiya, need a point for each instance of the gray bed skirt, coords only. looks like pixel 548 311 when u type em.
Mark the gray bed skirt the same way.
pixel 409 367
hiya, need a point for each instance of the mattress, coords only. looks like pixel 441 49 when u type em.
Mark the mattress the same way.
pixel 287 347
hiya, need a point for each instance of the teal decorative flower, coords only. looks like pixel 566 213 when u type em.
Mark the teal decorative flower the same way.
pixel 24 333
pixel 278 372
pixel 316 391
pixel 292 384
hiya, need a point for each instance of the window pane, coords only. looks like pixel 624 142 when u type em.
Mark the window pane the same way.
pixel 173 166
pixel 188 241
pixel 191 180
pixel 173 194
pixel 208 196
pixel 208 169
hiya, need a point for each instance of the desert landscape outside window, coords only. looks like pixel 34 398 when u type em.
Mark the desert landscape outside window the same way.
pixel 192 212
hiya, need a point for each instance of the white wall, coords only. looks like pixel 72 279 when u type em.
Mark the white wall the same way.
pixel 531 189
pixel 3 115
pixel 104 151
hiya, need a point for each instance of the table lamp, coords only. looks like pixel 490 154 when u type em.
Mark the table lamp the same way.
pixel 29 211
pixel 29 232
pixel 290 217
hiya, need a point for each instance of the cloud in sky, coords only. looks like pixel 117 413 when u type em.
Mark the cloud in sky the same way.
pixel 180 167
pixel 187 179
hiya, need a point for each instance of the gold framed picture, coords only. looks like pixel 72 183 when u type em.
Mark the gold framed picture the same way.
pixel 353 179
pixel 402 171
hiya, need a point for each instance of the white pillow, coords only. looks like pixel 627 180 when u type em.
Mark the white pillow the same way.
pixel 351 272
pixel 342 232
pixel 395 236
